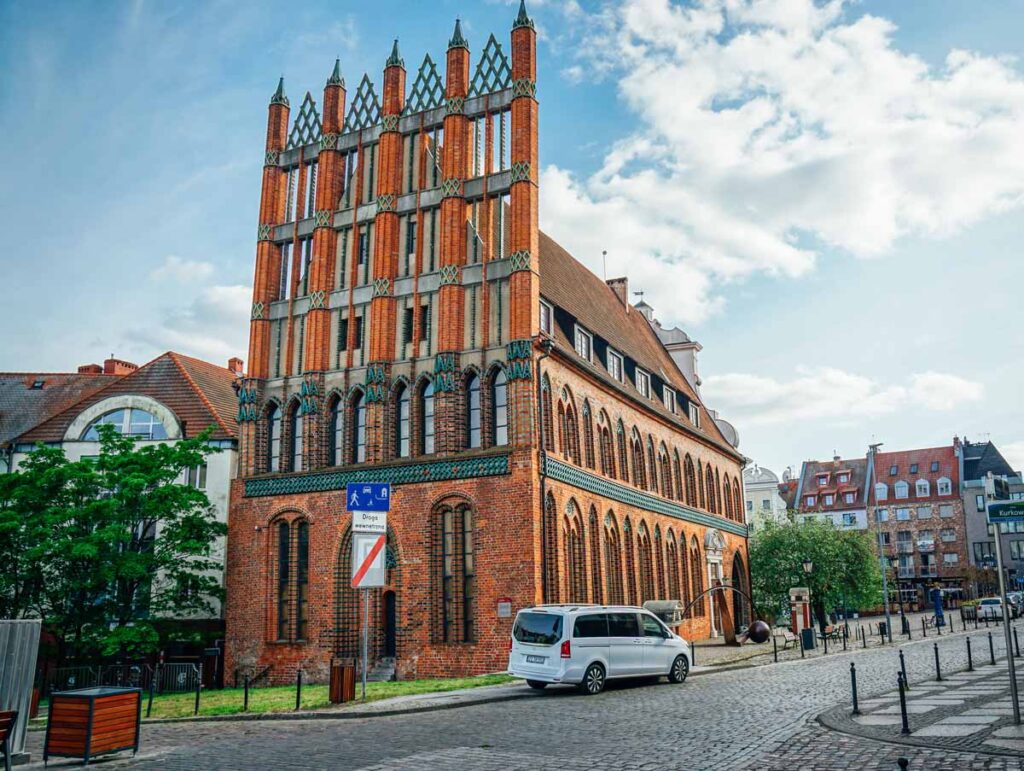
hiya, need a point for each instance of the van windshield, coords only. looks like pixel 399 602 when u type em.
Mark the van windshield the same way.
pixel 538 628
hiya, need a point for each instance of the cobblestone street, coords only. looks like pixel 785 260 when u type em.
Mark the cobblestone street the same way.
pixel 763 717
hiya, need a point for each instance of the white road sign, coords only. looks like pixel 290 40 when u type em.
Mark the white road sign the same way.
pixel 369 521
pixel 369 560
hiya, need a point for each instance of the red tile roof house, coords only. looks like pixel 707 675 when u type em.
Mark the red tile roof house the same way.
pixel 172 397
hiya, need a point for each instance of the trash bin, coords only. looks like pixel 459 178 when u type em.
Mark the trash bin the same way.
pixel 883 630
pixel 807 638
pixel 343 683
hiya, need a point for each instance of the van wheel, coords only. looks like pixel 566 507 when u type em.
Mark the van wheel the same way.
pixel 537 684
pixel 593 680
pixel 680 669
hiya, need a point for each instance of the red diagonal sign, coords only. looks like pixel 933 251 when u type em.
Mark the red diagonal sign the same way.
pixel 367 562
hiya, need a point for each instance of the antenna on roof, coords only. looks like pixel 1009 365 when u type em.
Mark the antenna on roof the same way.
pixel 640 294
pixel 604 263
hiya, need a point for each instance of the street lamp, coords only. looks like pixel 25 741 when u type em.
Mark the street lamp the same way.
pixel 893 563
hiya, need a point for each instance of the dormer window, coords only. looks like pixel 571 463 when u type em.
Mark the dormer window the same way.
pixel 695 415
pixel 546 315
pixel 809 500
pixel 643 382
pixel 902 489
pixel 945 486
pixel 843 478
pixel 849 497
pixel 828 499
pixel 584 343
pixel 923 488
pixel 615 364
pixel 822 480
pixel 881 491
pixel 669 397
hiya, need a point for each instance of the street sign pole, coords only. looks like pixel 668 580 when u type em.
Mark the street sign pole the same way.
pixel 366 634
pixel 998 513
pixel 1006 629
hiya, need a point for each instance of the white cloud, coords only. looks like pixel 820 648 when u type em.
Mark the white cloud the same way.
pixel 214 326
pixel 174 268
pixel 772 130
pixel 832 395
pixel 1014 454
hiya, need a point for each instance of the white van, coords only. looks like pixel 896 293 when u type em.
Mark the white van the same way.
pixel 585 645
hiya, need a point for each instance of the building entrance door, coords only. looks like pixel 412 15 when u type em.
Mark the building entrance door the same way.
pixel 390 622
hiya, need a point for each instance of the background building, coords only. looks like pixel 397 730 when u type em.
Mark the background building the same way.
pixel 835 490
pixel 411 324
pixel 762 501
pixel 918 513
pixel 170 398
pixel 977 460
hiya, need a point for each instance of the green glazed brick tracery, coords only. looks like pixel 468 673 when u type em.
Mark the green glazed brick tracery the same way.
pixel 577 477
pixel 432 471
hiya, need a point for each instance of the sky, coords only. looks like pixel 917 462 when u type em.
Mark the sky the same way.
pixel 826 194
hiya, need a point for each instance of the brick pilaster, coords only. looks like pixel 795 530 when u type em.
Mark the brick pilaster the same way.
pixel 268 254
pixel 383 306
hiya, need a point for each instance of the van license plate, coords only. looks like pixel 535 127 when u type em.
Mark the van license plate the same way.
pixel 536 659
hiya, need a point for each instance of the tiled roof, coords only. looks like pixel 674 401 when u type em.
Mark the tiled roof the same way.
pixel 570 285
pixel 944 456
pixel 23 407
pixel 198 393
pixel 858 468
pixel 982 457
pixel 787 491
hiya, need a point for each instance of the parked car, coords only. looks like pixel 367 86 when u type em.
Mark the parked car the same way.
pixel 1016 600
pixel 587 645
pixel 990 608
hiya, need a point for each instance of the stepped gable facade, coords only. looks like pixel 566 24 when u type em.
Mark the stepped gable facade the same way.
pixel 411 324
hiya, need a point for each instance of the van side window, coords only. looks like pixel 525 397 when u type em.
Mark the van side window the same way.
pixel 591 626
pixel 623 625
pixel 652 628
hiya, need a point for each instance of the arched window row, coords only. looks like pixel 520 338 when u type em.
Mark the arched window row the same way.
pixel 618 560
pixel 454 568
pixel 410 414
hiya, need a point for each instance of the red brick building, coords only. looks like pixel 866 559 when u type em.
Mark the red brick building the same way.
pixel 411 324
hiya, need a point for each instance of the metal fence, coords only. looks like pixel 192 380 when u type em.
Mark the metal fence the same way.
pixel 166 678
pixel 19 643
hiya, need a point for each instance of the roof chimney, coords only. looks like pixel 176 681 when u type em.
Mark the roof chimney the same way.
pixel 114 366
pixel 235 365
pixel 90 369
pixel 621 288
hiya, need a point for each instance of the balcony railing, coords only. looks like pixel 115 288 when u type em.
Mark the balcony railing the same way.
pixel 905 547
pixel 926 546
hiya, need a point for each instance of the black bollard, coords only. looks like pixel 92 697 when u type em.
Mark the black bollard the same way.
pixel 1016 644
pixel 938 628
pixel 970 659
pixel 298 688
pixel 846 634
pixel 199 687
pixel 991 649
pixel 775 648
pixel 938 670
pixel 986 621
pixel 903 763
pixel 824 639
pixel 864 637
pixel 975 619
pixel 693 655
pixel 853 686
pixel 903 669
pixel 924 628
pixel 903 704
pixel 800 638
pixel 245 698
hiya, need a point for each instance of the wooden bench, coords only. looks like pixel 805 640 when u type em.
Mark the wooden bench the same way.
pixel 7 722
pixel 788 638
pixel 834 633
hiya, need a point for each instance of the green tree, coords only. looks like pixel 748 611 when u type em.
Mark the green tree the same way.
pixel 101 549
pixel 845 571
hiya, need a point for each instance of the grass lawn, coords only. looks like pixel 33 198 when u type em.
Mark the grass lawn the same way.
pixel 282 698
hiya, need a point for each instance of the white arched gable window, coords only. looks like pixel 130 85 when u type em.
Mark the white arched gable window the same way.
pixel 944 486
pixel 881 491
pixel 902 489
pixel 130 414
pixel 922 488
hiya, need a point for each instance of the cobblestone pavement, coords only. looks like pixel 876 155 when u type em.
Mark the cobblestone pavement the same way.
pixel 762 717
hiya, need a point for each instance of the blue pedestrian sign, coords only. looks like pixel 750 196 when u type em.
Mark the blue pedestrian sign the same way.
pixel 368 496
